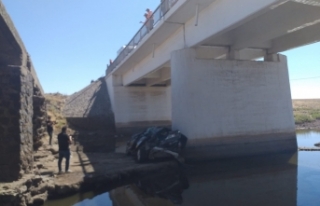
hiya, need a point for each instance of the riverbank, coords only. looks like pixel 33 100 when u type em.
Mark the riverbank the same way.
pixel 315 125
pixel 306 113
pixel 90 171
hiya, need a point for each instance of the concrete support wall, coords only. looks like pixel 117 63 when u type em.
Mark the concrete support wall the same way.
pixel 16 128
pixel 139 107
pixel 231 108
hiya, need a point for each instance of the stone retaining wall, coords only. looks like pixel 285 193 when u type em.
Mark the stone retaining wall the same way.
pixel 16 128
pixel 39 117
pixel 20 111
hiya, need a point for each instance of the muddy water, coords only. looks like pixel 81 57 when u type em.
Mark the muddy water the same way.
pixel 290 179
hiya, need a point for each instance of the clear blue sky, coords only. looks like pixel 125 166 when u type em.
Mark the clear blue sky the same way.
pixel 71 41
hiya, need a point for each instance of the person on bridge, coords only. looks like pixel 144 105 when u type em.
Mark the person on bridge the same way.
pixel 50 128
pixel 64 140
pixel 146 22
pixel 150 18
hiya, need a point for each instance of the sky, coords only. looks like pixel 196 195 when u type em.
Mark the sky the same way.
pixel 71 41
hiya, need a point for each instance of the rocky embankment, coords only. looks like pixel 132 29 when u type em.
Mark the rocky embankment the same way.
pixel 90 108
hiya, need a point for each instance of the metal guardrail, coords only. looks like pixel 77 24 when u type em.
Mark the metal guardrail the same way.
pixel 150 24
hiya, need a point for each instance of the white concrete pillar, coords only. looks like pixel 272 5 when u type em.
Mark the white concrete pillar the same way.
pixel 138 107
pixel 231 108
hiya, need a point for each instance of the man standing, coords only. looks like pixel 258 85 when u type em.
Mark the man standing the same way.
pixel 150 20
pixel 50 129
pixel 64 140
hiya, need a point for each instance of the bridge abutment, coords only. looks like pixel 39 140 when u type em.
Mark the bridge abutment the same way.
pixel 230 107
pixel 16 127
pixel 22 105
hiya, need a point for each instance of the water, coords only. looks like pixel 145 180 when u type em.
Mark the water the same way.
pixel 308 170
pixel 274 180
pixel 84 199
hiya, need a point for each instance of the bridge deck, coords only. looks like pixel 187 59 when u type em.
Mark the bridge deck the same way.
pixel 262 26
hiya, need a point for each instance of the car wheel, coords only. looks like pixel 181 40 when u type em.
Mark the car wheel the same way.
pixel 142 155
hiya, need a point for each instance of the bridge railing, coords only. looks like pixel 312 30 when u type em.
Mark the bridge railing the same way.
pixel 147 26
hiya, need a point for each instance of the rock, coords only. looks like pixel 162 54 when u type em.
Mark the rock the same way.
pixel 39 165
pixel 37 180
pixel 5 187
pixel 22 189
pixel 39 199
pixel 54 150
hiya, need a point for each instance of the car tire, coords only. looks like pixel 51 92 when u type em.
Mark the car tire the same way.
pixel 142 155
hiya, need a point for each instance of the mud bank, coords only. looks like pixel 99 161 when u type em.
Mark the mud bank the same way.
pixel 309 125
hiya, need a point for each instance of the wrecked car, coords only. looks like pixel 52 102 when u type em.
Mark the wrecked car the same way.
pixel 156 142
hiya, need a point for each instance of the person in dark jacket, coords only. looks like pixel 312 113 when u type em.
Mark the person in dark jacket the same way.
pixel 50 128
pixel 64 140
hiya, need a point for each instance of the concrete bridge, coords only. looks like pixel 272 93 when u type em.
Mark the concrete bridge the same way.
pixel 193 67
pixel 22 105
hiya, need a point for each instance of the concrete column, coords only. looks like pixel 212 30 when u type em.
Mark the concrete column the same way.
pixel 138 107
pixel 231 108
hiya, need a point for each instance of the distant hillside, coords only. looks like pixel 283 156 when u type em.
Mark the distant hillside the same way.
pixel 55 103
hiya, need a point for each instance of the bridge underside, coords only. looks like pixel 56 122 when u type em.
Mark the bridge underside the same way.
pixel 221 32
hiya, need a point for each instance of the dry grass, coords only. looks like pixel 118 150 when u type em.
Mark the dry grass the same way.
pixel 55 103
pixel 306 110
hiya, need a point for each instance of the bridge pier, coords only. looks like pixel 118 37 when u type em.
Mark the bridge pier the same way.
pixel 138 107
pixel 230 107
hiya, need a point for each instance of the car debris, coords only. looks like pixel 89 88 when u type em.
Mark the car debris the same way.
pixel 156 142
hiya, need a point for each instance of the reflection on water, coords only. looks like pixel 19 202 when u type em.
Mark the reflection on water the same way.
pixel 82 199
pixel 308 138
pixel 308 170
pixel 288 179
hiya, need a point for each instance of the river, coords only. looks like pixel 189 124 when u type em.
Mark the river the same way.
pixel 288 179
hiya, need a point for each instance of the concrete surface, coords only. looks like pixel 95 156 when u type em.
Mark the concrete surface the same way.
pixel 140 106
pixel 230 103
pixel 268 26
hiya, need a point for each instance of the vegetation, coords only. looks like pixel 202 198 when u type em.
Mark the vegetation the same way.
pixel 55 103
pixel 304 110
pixel 307 110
